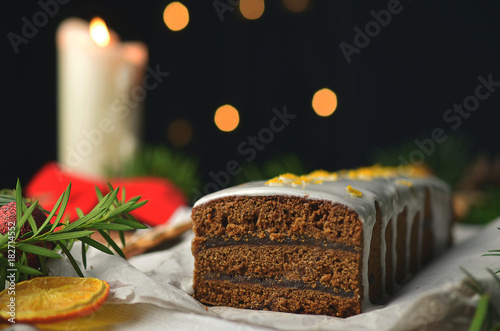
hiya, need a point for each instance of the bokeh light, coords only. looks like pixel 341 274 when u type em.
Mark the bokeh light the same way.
pixel 324 102
pixel 296 6
pixel 227 118
pixel 179 132
pixel 176 16
pixel 252 9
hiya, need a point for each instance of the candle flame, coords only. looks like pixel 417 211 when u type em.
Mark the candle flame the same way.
pixel 99 32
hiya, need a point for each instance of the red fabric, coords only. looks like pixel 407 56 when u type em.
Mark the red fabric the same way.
pixel 51 180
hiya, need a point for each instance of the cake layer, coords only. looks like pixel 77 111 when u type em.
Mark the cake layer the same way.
pixel 277 217
pixel 312 266
pixel 276 298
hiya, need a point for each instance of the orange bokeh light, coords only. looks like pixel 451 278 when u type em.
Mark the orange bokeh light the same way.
pixel 99 32
pixel 324 102
pixel 252 9
pixel 296 6
pixel 179 132
pixel 176 16
pixel 227 118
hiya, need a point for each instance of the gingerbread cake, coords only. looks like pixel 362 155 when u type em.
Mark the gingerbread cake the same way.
pixel 323 243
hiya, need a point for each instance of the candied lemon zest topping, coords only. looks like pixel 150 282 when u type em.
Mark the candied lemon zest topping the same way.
pixel 353 191
pixel 404 182
pixel 274 180
pixel 318 177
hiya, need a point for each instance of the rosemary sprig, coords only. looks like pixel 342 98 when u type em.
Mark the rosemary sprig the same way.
pixel 486 314
pixel 109 214
pixel 493 252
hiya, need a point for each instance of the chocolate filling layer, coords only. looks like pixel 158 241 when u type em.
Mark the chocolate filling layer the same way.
pixel 212 242
pixel 281 282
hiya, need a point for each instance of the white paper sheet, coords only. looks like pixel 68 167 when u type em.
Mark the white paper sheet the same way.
pixel 159 286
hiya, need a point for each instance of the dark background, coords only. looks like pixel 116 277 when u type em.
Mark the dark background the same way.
pixel 397 89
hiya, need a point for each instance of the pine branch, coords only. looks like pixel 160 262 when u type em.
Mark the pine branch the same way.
pixel 163 161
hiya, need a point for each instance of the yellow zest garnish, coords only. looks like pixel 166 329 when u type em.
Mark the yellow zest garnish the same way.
pixel 353 191
pixel 299 183
pixel 333 177
pixel 289 176
pixel 274 180
pixel 404 182
pixel 364 173
pixel 319 173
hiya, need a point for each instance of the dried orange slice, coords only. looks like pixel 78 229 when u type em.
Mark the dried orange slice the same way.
pixel 52 299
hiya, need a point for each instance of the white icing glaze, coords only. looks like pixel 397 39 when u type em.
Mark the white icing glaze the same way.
pixel 392 194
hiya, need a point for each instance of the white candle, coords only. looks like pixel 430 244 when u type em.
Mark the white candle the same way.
pixel 98 117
